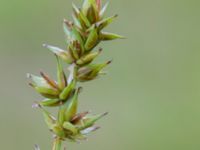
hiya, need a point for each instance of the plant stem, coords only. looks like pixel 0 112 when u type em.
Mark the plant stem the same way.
pixel 57 144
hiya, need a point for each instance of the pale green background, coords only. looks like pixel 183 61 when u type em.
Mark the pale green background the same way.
pixel 152 89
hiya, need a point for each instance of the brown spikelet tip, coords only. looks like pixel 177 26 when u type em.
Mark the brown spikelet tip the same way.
pixel 109 62
pixel 42 74
pixel 68 23
pixel 77 117
pixel 116 15
pixel 31 84
pixel 80 89
pixel 100 49
pixel 50 81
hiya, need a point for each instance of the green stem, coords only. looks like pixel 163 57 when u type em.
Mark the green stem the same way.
pixel 57 144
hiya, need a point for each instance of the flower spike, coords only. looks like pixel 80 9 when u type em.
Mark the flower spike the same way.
pixel 83 36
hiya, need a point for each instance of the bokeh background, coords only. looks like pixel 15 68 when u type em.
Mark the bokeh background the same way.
pixel 152 89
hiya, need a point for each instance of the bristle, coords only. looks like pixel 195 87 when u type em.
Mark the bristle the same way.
pixel 36 105
pixel 104 114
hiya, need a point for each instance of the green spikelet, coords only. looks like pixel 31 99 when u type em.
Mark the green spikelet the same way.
pixel 83 36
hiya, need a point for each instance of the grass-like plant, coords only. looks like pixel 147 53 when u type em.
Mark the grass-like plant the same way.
pixel 83 35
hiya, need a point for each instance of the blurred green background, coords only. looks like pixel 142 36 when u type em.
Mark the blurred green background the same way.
pixel 152 89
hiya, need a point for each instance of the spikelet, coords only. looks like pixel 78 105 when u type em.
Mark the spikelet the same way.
pixel 83 36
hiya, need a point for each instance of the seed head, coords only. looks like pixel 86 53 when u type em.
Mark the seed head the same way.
pixel 83 35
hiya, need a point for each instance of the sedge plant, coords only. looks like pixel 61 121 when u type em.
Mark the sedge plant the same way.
pixel 83 35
